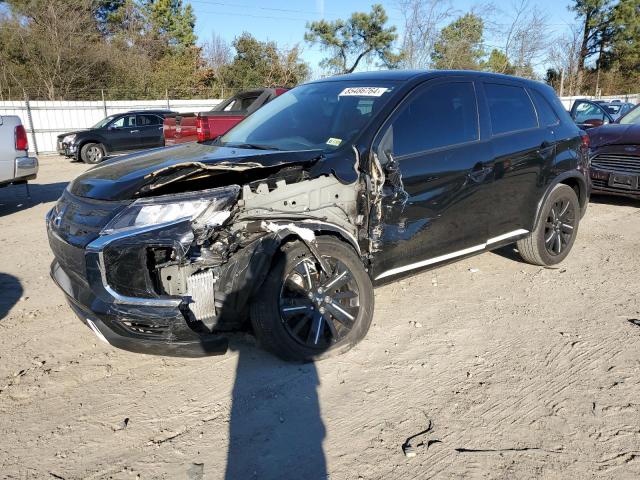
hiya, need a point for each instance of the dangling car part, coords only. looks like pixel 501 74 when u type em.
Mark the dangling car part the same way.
pixel 283 224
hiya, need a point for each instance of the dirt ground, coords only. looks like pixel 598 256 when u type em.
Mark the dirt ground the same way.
pixel 520 372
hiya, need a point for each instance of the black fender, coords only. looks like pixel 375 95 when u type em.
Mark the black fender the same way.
pixel 246 270
pixel 562 178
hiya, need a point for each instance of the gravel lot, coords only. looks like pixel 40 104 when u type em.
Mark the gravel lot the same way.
pixel 519 371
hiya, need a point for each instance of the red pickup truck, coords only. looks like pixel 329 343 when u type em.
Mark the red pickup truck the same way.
pixel 191 127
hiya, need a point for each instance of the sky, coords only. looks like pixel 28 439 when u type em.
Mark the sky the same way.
pixel 284 21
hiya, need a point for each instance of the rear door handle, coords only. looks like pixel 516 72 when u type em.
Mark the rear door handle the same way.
pixel 135 131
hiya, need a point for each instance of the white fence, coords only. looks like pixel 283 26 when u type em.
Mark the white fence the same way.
pixel 631 98
pixel 46 120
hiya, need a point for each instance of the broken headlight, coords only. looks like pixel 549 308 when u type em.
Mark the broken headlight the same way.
pixel 207 207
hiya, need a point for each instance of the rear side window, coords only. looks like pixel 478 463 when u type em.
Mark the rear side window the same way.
pixel 148 120
pixel 546 115
pixel 439 116
pixel 510 108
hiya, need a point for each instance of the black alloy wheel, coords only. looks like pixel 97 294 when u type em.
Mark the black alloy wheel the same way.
pixel 303 312
pixel 559 226
pixel 317 309
pixel 555 232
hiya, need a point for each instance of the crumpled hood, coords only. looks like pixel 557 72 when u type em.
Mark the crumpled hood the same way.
pixel 125 177
pixel 614 134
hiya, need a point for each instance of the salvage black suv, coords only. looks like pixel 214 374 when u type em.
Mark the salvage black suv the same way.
pixel 283 224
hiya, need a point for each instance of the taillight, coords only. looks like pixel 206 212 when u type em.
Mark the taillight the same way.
pixel 21 138
pixel 202 129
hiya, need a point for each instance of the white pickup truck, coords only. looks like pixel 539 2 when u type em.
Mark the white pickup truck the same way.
pixel 16 166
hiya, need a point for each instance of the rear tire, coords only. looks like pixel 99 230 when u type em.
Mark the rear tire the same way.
pixel 92 153
pixel 293 326
pixel 552 239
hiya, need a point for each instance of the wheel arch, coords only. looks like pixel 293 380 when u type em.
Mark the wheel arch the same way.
pixel 573 179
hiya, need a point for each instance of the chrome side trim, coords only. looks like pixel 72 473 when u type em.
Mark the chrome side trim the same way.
pixel 504 236
pixel 448 256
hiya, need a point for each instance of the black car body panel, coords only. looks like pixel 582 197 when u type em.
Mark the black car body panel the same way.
pixel 144 131
pixel 400 207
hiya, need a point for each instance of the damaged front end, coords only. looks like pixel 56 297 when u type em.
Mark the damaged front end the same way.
pixel 173 273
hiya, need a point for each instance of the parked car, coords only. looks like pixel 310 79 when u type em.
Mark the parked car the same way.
pixel 16 166
pixel 616 108
pixel 594 113
pixel 615 156
pixel 289 219
pixel 117 133
pixel 192 127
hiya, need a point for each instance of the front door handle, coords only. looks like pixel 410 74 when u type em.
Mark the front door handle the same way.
pixel 479 173
pixel 134 131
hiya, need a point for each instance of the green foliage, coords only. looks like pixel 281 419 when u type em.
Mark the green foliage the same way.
pixel 363 36
pixel 460 44
pixel 258 64
pixel 498 62
pixel 171 21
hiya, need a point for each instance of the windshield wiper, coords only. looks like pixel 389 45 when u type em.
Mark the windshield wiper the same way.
pixel 254 146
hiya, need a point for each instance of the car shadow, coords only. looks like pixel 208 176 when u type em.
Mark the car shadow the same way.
pixel 614 200
pixel 510 252
pixel 275 427
pixel 14 198
pixel 10 293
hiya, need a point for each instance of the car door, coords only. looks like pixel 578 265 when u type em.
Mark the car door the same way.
pixel 588 114
pixel 522 151
pixel 123 133
pixel 150 130
pixel 433 205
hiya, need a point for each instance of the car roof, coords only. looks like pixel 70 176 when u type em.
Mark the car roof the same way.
pixel 145 111
pixel 406 75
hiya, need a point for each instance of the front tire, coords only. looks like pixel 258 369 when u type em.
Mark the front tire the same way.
pixel 92 153
pixel 302 314
pixel 552 239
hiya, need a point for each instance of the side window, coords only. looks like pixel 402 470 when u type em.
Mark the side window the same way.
pixel 438 116
pixel 588 111
pixel 125 122
pixel 510 108
pixel 546 115
pixel 148 120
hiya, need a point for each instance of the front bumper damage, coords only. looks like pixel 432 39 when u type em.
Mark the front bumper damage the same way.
pixel 175 289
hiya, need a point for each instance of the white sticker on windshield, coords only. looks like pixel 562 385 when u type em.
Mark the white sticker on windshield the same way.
pixel 334 141
pixel 363 92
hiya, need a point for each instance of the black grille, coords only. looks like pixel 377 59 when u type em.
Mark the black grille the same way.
pixel 74 223
pixel 78 221
pixel 618 163
pixel 603 184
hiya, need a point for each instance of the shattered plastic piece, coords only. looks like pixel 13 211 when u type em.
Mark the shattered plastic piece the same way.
pixel 409 451
pixel 305 234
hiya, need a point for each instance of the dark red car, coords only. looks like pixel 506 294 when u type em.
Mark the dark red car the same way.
pixel 192 127
pixel 615 156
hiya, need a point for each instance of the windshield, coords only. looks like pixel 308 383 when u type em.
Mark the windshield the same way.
pixel 103 123
pixel 632 117
pixel 321 116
